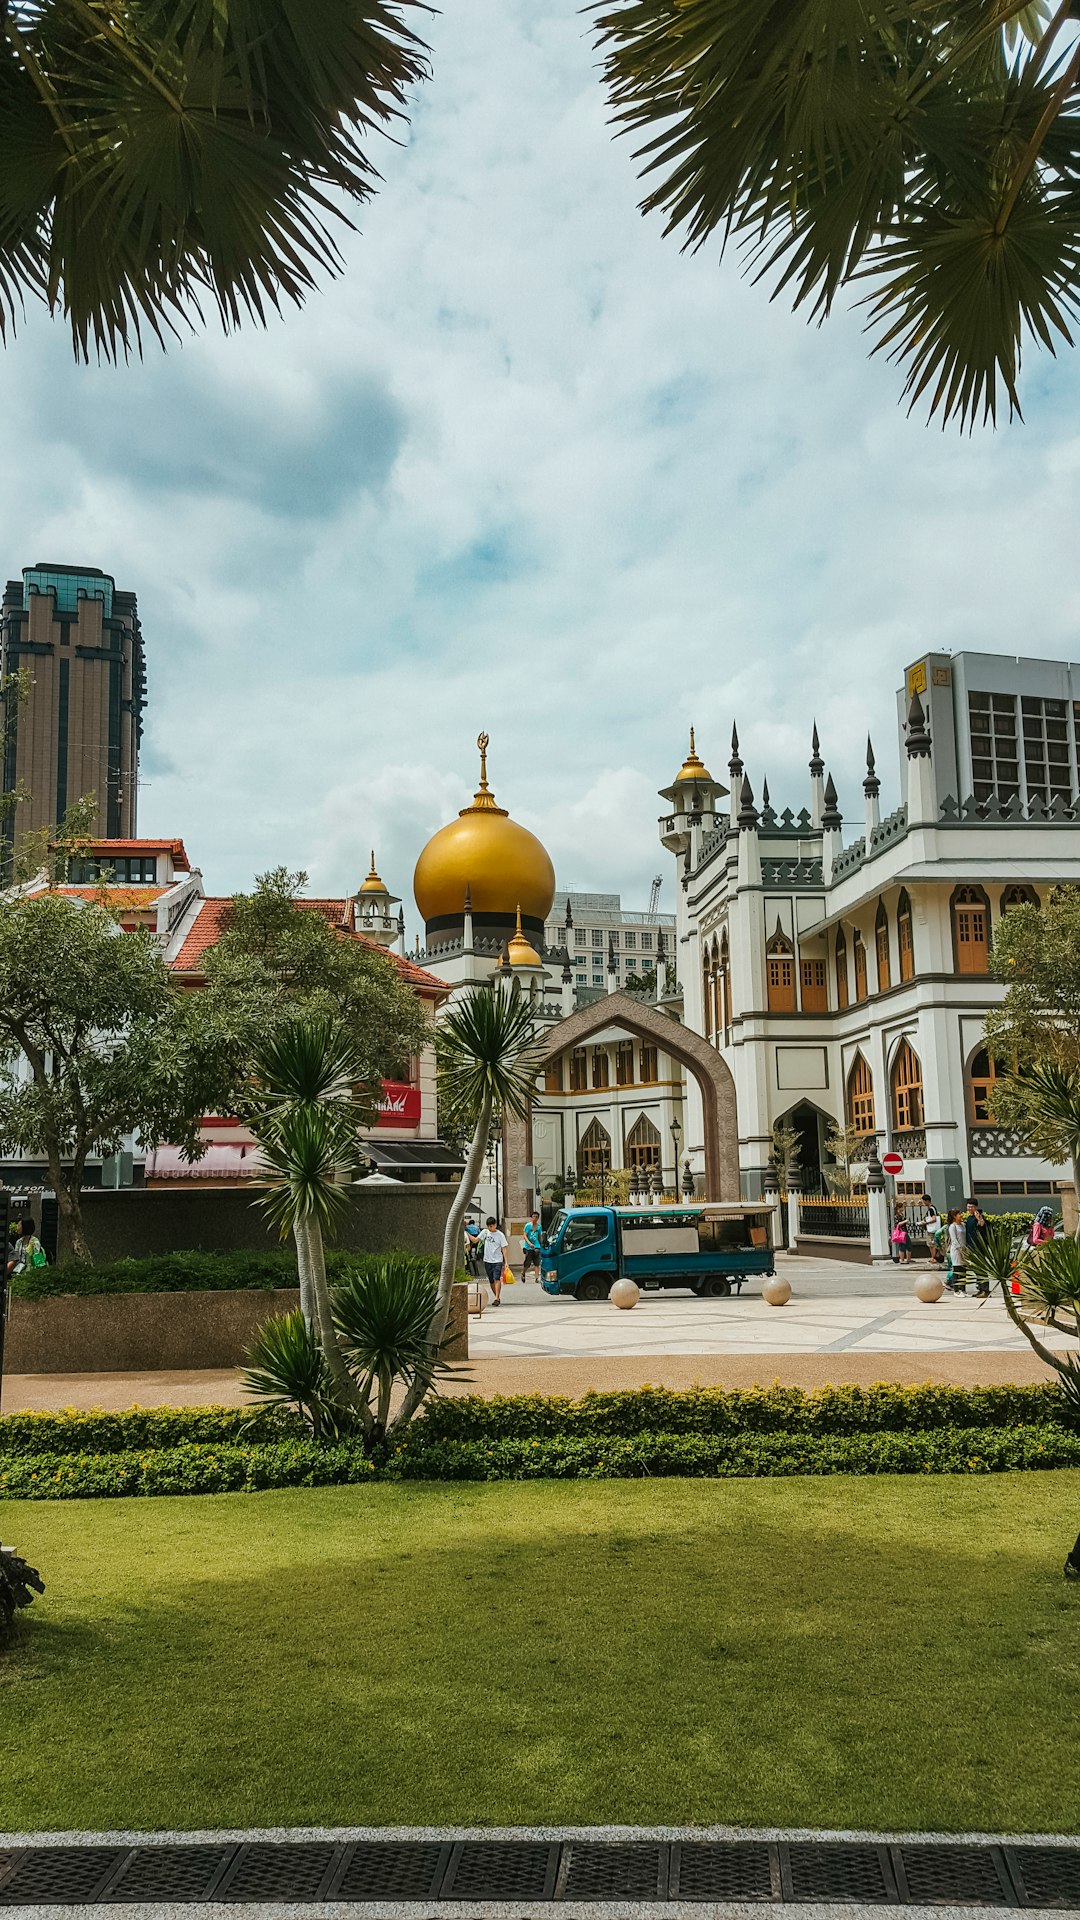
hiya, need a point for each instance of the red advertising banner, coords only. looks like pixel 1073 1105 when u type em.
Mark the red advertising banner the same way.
pixel 400 1104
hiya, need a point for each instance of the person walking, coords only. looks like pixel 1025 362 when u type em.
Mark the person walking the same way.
pixel 493 1246
pixel 974 1226
pixel 1042 1228
pixel 956 1279
pixel 932 1231
pixel 534 1246
pixel 901 1242
pixel 473 1263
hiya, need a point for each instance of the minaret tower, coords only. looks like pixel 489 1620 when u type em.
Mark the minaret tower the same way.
pixel 373 914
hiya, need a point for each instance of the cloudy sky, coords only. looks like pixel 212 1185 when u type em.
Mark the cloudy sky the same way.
pixel 524 466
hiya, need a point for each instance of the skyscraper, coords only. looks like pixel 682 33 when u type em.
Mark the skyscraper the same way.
pixel 79 730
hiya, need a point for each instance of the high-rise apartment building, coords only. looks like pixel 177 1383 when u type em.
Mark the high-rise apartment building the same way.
pixel 602 936
pixel 78 731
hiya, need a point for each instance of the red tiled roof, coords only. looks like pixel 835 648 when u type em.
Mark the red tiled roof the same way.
pixel 116 896
pixel 211 920
pixel 175 847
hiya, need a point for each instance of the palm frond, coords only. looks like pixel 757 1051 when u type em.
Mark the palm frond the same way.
pixel 285 1369
pixel 486 1048
pixel 309 1060
pixel 308 1151
pixel 382 1313
pixel 199 151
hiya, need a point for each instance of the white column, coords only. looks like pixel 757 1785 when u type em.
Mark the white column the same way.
pixel 880 1246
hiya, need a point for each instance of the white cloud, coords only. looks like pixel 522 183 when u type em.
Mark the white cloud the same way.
pixel 526 466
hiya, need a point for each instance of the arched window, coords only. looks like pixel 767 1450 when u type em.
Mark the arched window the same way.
pixel 647 1063
pixel 905 937
pixel 724 983
pixel 624 1064
pixel 594 1149
pixel 643 1147
pixel 860 1096
pixel 907 1100
pixel 881 947
pixel 982 1073
pixel 600 1068
pixel 579 1070
pixel 971 930
pixel 1018 896
pixel 553 1076
pixel 861 990
pixel 843 992
pixel 780 974
pixel 815 993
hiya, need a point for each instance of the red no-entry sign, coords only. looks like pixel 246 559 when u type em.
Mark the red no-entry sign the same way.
pixel 892 1162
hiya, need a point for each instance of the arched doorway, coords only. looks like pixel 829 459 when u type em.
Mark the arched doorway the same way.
pixel 657 1031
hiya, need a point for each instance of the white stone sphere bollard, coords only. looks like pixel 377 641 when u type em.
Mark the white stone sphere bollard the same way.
pixel 625 1293
pixel 929 1287
pixel 776 1291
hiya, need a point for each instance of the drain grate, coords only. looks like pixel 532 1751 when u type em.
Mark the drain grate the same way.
pixel 1046 1876
pixel 737 1870
pixel 501 1870
pixel 170 1873
pixel 924 1873
pixel 50 1876
pixel 392 1870
pixel 939 1875
pixel 278 1872
pixel 598 1870
pixel 824 1870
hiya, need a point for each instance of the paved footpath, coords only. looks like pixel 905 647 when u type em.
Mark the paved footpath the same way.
pixel 598 1873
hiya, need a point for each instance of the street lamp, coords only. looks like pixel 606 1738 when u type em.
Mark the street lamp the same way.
pixel 676 1135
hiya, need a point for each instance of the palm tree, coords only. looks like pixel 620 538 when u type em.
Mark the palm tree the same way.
pixel 1050 1099
pixel 308 1109
pixel 930 151
pixel 1049 1281
pixel 488 1058
pixel 156 154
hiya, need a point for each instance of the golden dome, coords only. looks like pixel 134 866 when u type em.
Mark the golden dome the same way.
pixel 519 950
pixel 502 865
pixel 372 884
pixel 693 767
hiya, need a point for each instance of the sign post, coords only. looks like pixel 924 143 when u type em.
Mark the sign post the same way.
pixel 892 1163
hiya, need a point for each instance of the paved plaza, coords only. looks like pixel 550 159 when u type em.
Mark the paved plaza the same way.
pixel 835 1308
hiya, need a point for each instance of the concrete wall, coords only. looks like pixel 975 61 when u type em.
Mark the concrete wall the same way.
pixel 133 1221
pixel 151 1332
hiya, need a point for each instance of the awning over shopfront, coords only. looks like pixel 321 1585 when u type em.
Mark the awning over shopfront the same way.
pixel 406 1159
pixel 221 1162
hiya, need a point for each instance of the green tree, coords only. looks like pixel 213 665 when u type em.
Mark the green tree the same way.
pixel 160 155
pixel 276 961
pixel 1034 1034
pixel 844 1143
pixel 785 1147
pixel 82 1010
pixel 929 152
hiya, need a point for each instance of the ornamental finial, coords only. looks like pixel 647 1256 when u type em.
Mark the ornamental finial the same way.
pixel 483 741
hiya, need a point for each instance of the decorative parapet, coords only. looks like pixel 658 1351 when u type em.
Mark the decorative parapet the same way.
pixel 1010 811
pixel 848 859
pixel 910 1141
pixel 710 841
pixel 995 1143
pixel 792 873
pixel 893 827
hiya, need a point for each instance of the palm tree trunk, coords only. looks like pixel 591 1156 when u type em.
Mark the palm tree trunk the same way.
pixel 347 1389
pixel 1045 1354
pixel 1076 1191
pixel 303 1268
pixel 451 1254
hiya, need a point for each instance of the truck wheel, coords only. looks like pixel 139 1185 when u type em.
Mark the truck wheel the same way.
pixel 593 1287
pixel 716 1287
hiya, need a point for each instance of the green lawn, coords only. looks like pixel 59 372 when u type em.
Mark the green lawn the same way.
pixel 854 1652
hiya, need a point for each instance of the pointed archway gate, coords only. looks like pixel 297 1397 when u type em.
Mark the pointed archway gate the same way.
pixel 696 1055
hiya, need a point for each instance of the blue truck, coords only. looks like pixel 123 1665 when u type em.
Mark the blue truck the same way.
pixel 709 1248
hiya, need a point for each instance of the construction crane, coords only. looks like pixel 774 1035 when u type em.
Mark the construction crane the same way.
pixel 654 896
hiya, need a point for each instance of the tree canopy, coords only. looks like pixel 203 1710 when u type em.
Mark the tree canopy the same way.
pixel 156 155
pixel 928 150
pixel 1034 1035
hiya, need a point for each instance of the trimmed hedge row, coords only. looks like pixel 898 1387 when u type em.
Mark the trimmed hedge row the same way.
pixel 716 1410
pixel 231 1468
pixel 240 1271
pixel 526 1417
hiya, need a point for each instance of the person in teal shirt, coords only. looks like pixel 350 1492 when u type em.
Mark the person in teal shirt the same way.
pixel 533 1246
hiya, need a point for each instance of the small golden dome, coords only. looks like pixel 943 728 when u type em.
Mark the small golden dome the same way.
pixel 520 951
pixel 693 768
pixel 501 864
pixel 372 884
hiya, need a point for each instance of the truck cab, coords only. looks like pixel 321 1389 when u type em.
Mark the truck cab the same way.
pixel 710 1248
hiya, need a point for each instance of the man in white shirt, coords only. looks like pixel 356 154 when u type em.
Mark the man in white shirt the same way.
pixel 493 1246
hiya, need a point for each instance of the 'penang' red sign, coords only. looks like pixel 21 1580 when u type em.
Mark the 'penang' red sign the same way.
pixel 400 1104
